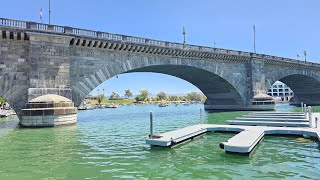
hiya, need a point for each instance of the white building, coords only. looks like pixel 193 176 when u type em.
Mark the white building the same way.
pixel 281 92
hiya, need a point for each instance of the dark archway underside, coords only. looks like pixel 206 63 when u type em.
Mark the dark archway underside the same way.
pixel 217 90
pixel 306 89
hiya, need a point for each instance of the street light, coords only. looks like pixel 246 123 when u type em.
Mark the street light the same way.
pixel 254 38
pixel 49 12
pixel 184 37
pixel 305 56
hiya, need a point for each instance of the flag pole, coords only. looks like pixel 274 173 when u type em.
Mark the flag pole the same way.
pixel 184 37
pixel 254 38
pixel 49 11
pixel 41 15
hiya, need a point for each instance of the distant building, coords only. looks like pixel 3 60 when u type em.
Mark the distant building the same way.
pixel 281 92
pixel 90 97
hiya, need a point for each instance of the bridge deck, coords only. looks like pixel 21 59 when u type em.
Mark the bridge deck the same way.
pixel 244 142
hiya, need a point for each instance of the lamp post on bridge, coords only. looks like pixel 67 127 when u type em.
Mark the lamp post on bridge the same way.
pixel 184 37
pixel 305 56
pixel 41 15
pixel 49 11
pixel 254 38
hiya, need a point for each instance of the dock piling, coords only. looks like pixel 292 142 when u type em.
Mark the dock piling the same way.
pixel 151 125
pixel 310 116
pixel 305 109
pixel 201 116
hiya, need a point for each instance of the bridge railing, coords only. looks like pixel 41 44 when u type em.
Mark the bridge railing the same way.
pixel 83 32
pixel 132 39
pixel 13 23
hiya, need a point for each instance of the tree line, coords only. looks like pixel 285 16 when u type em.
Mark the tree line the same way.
pixel 161 96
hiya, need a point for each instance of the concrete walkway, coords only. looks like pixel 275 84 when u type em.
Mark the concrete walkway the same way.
pixel 287 119
pixel 272 119
pixel 269 123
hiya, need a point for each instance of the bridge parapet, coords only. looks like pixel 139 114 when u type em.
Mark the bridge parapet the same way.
pixel 83 33
pixel 13 23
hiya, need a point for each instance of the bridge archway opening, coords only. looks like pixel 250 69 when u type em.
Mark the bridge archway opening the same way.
pixel 218 91
pixel 281 92
pixel 5 108
pixel 305 89
pixel 152 82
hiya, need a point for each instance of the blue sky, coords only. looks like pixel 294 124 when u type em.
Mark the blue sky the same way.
pixel 284 28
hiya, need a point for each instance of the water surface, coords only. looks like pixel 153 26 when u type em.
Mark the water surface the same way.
pixel 109 144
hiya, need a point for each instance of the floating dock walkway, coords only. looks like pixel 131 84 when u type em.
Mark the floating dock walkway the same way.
pixel 251 128
pixel 243 143
pixel 280 119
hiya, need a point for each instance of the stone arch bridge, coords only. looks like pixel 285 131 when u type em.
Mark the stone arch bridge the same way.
pixel 38 59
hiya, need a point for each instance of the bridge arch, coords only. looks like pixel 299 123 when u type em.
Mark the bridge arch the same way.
pixel 14 91
pixel 306 87
pixel 219 87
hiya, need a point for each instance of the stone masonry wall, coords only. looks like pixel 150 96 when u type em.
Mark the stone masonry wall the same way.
pixel 14 69
pixel 50 66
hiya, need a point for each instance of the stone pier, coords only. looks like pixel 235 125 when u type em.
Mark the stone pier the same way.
pixel 48 111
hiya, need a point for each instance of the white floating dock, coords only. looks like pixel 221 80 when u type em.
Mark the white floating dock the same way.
pixel 243 143
pixel 272 119
pixel 279 113
pixel 174 137
pixel 273 116
pixel 286 119
pixel 269 123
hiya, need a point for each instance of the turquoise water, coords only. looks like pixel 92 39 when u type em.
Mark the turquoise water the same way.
pixel 109 144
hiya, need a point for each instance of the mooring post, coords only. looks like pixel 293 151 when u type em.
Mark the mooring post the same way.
pixel 151 125
pixel 305 110
pixel 302 107
pixel 310 116
pixel 201 115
